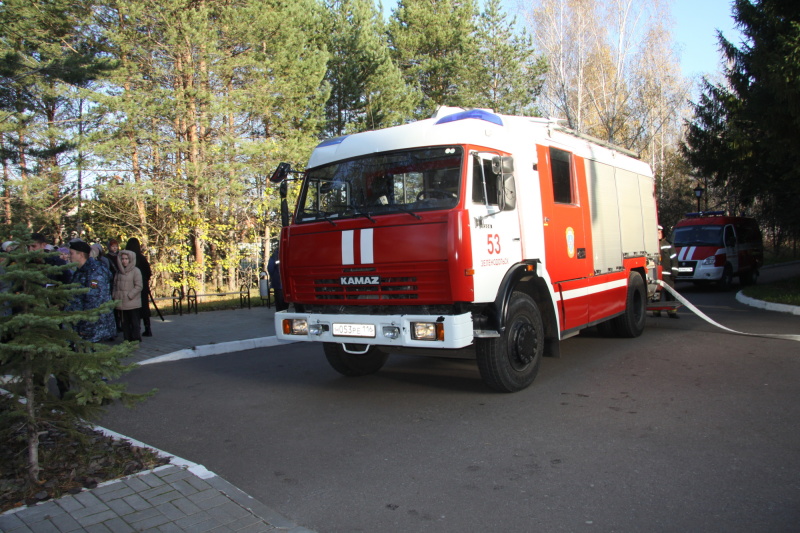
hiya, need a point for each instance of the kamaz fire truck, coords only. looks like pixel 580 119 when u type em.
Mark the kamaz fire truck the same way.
pixel 467 234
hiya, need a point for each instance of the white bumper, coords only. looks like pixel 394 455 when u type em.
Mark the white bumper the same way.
pixel 702 273
pixel 458 329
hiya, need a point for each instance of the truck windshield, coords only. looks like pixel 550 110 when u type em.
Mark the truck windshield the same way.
pixel 697 236
pixel 406 181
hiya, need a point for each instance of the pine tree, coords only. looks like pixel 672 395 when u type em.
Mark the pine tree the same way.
pixel 208 96
pixel 434 44
pixel 367 89
pixel 38 341
pixel 512 73
pixel 48 51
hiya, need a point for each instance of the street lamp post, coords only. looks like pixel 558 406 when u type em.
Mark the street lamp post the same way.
pixel 698 192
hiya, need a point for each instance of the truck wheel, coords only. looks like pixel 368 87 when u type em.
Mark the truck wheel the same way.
pixel 509 363
pixel 726 281
pixel 354 365
pixel 631 323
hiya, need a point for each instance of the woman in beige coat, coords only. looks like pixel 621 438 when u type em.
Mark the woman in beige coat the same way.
pixel 128 290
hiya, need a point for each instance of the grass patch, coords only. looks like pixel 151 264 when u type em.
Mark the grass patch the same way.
pixel 786 291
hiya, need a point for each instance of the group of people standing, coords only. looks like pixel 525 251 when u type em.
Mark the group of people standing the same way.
pixel 121 275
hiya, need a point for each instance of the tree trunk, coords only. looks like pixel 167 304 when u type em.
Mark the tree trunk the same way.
pixel 31 427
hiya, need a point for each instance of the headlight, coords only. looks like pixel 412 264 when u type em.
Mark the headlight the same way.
pixel 710 260
pixel 295 326
pixel 427 331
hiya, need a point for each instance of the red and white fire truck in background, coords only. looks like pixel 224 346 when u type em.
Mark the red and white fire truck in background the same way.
pixel 472 233
pixel 712 246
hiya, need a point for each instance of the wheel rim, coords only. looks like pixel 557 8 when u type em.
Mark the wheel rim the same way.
pixel 522 345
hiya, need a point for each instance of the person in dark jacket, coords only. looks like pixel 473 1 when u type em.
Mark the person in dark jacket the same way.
pixel 97 278
pixel 274 271
pixel 144 267
pixel 113 252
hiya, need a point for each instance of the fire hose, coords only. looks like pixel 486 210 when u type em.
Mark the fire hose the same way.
pixel 705 317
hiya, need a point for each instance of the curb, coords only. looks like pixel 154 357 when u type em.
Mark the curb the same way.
pixel 217 349
pixel 769 306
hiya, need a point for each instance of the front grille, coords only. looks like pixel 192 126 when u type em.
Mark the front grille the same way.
pixel 404 288
pixel 421 283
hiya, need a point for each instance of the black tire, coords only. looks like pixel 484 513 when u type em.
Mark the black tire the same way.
pixel 631 323
pixel 354 365
pixel 509 363
pixel 726 281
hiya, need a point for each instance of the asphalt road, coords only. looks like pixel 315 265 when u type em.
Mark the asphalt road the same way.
pixel 686 428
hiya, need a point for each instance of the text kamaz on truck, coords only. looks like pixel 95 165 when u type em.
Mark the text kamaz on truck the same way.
pixel 468 233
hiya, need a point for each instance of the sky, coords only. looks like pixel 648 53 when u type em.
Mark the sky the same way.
pixel 696 22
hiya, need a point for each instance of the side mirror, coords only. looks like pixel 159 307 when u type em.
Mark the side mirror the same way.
pixel 508 187
pixel 280 173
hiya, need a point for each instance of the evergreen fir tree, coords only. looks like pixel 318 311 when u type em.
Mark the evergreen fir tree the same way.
pixel 745 134
pixel 38 342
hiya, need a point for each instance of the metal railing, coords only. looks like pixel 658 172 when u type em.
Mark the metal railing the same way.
pixel 191 298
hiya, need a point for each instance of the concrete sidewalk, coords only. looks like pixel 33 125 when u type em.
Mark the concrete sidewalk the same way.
pixel 181 496
pixel 229 330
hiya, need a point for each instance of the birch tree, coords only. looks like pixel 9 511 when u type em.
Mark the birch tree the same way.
pixel 612 70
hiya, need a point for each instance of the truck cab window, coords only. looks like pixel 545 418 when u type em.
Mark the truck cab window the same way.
pixel 479 172
pixel 561 171
pixel 404 181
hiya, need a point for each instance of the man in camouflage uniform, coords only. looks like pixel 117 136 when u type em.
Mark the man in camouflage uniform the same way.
pixel 94 276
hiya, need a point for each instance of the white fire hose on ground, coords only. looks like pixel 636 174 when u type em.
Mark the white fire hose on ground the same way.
pixel 702 315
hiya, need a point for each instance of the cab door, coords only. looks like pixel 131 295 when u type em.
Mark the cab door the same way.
pixel 562 179
pixel 495 231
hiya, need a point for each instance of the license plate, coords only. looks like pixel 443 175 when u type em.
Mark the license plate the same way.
pixel 354 330
pixel 685 269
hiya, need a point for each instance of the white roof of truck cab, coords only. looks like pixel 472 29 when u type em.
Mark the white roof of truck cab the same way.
pixel 479 127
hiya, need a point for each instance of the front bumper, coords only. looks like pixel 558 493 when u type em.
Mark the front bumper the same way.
pixel 697 271
pixel 457 329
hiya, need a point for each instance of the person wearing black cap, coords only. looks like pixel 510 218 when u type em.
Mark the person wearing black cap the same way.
pixel 95 277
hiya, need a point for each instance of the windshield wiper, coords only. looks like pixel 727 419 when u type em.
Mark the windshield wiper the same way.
pixel 320 215
pixel 404 209
pixel 359 212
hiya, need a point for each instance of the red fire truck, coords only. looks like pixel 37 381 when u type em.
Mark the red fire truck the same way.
pixel 471 233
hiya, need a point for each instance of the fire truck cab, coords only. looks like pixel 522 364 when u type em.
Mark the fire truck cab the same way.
pixel 467 234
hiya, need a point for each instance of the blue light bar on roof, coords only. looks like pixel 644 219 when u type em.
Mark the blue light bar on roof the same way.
pixel 331 142
pixel 479 114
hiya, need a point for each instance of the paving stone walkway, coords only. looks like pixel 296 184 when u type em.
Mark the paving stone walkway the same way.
pixel 167 499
